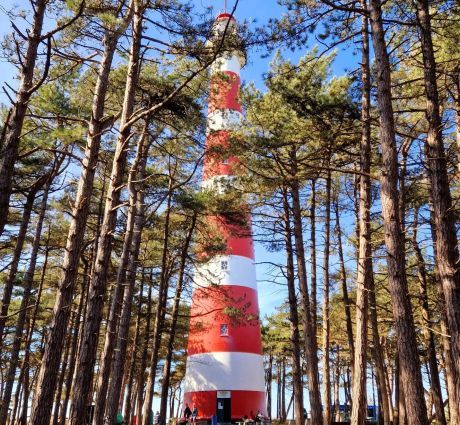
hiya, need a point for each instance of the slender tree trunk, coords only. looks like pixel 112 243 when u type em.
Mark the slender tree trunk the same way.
pixel 87 356
pixel 309 336
pixel 326 319
pixel 159 316
pixel 137 211
pixel 23 309
pixel 283 390
pixel 64 365
pixel 456 96
pixel 74 345
pixel 25 367
pixel 313 280
pixel 293 316
pixel 337 386
pixel 404 325
pixel 47 378
pixel 9 146
pixel 269 380
pixel 20 239
pixel 343 277
pixel 427 324
pixel 130 393
pixel 117 296
pixel 175 315
pixel 359 408
pixel 454 404
pixel 447 253
pixel 143 366
pixel 377 351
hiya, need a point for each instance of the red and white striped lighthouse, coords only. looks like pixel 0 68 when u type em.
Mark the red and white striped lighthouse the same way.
pixel 225 373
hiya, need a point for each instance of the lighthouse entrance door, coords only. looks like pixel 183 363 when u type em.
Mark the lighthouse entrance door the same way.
pixel 224 412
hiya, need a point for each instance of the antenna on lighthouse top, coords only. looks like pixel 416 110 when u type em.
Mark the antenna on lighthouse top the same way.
pixel 225 6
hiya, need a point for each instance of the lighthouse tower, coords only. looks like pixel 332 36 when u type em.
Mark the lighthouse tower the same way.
pixel 225 374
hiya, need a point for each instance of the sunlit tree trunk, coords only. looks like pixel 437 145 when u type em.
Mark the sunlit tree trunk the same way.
pixel 23 309
pixel 447 253
pixel 175 315
pixel 309 335
pixel 327 399
pixel 293 315
pixel 9 145
pixel 47 378
pixel 394 240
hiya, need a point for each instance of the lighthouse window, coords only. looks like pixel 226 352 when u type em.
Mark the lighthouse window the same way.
pixel 225 161
pixel 224 265
pixel 224 329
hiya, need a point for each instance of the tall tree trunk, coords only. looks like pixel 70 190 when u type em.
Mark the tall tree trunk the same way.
pixel 454 404
pixel 283 390
pixel 117 296
pixel 447 253
pixel 47 378
pixel 343 278
pixel 136 213
pixel 25 367
pixel 9 146
pixel 159 315
pixel 128 407
pixel 313 280
pixel 64 365
pixel 326 319
pixel 336 412
pixel 377 352
pixel 23 309
pixel 293 316
pixel 20 239
pixel 78 323
pixel 394 240
pixel 87 356
pixel 428 333
pixel 175 315
pixel 268 388
pixel 363 276
pixel 311 348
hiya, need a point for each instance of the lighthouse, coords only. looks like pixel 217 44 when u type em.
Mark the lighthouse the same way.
pixel 225 374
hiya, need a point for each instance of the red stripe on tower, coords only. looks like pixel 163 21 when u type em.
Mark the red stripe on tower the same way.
pixel 225 374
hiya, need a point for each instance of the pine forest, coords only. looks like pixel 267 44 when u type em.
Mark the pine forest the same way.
pixel 337 150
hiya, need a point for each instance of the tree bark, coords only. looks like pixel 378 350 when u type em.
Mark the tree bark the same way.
pixel 143 365
pixel 426 326
pixel 343 277
pixel 394 240
pixel 175 315
pixel 159 315
pixel 363 276
pixel 23 309
pixel 293 316
pixel 9 146
pixel 313 280
pixel 377 352
pixel 447 253
pixel 136 213
pixel 327 418
pixel 47 378
pixel 128 407
pixel 311 347
pixel 20 239
pixel 87 356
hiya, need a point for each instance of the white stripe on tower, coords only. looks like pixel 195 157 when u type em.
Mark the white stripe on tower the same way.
pixel 216 371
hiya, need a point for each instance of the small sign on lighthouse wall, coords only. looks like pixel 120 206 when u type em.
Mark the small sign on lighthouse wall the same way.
pixel 224 394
